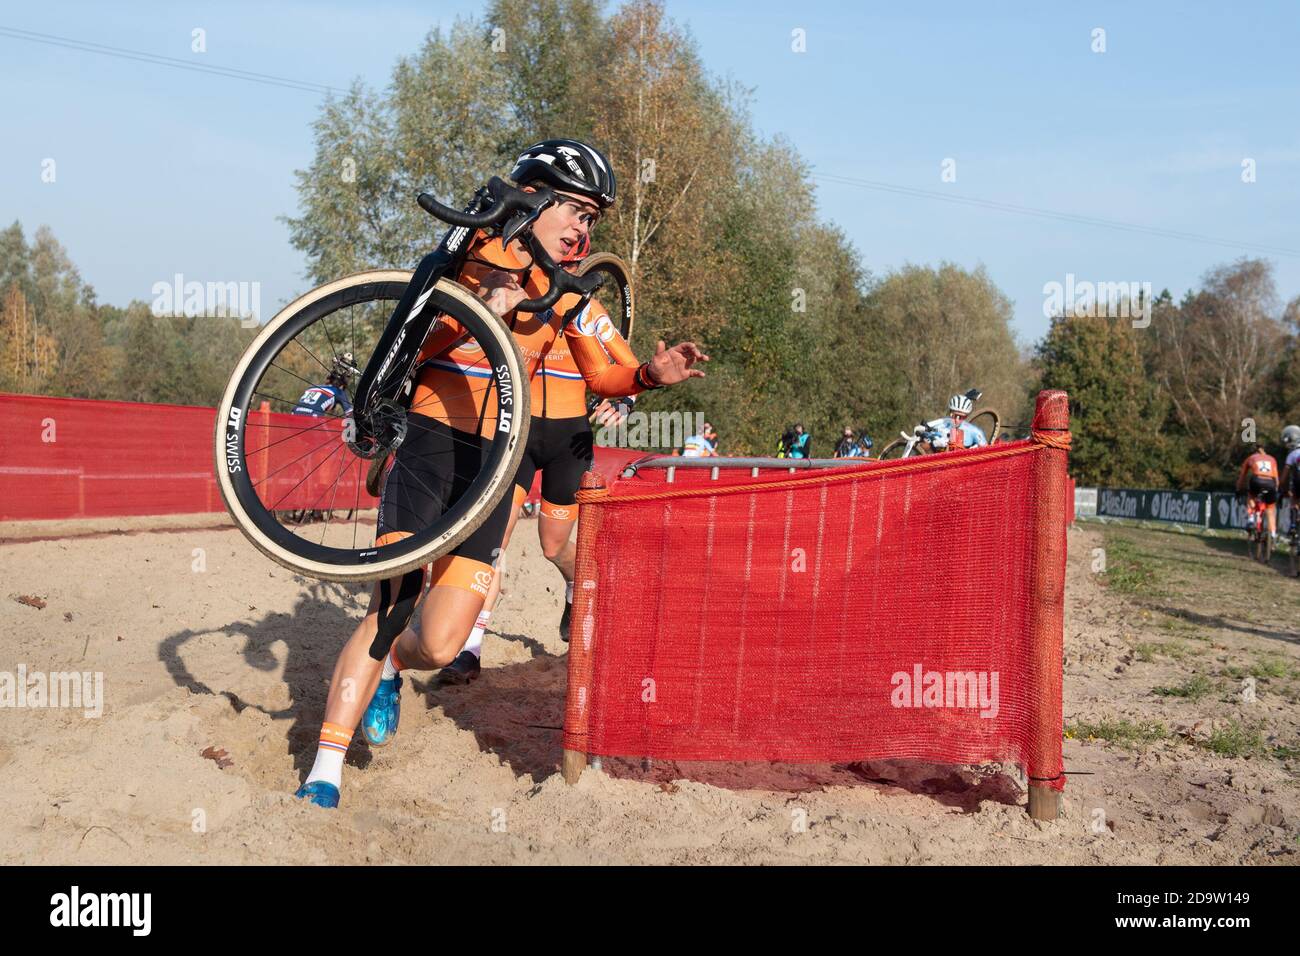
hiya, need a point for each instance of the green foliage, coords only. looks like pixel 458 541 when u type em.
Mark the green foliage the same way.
pixel 101 351
pixel 1115 409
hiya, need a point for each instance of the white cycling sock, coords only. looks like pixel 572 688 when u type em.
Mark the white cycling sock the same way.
pixel 475 643
pixel 391 668
pixel 568 593
pixel 332 749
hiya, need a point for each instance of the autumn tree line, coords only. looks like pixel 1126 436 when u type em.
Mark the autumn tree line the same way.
pixel 720 229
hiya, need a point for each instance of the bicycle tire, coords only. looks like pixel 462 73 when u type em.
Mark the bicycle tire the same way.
pixel 997 423
pixel 621 277
pixel 464 517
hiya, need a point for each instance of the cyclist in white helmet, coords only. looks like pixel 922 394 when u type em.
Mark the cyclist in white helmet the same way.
pixel 1291 470
pixel 954 431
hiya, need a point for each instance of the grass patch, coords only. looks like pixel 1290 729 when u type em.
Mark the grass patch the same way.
pixel 1236 739
pixel 1175 650
pixel 1263 668
pixel 1127 571
pixel 1194 688
pixel 1123 731
pixel 1271 667
pixel 1287 751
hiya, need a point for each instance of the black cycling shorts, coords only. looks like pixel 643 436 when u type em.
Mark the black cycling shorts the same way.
pixel 1263 489
pixel 561 449
pixel 431 469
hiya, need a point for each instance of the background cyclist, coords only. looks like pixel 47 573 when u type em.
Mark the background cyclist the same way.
pixel 1290 483
pixel 955 432
pixel 1258 479
pixel 703 445
pixel 322 399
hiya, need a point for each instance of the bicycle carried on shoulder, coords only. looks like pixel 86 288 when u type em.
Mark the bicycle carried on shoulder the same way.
pixel 269 465
pixel 920 440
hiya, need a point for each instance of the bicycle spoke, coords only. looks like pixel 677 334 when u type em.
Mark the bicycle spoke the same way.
pixel 295 375
pixel 429 491
pixel 329 511
pixel 279 441
pixel 303 478
pixel 313 451
pixel 311 353
pixel 329 338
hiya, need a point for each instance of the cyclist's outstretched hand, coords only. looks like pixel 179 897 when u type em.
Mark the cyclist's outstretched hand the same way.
pixel 676 364
pixel 501 291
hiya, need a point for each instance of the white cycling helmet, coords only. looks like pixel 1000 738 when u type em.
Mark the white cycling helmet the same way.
pixel 960 404
pixel 1291 436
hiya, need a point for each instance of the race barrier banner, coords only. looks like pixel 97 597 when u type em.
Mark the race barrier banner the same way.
pixel 906 609
pixel 1228 513
pixel 1213 510
pixel 1140 504
pixel 76 458
pixel 80 458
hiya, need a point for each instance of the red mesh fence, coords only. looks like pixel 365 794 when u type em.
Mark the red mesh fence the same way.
pixel 894 609
pixel 77 458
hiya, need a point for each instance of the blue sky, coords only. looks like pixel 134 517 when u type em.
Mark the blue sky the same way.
pixel 163 170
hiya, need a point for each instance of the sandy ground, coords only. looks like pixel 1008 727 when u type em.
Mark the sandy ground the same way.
pixel 236 656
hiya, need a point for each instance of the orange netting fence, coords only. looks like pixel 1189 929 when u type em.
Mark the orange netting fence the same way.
pixel 82 458
pixel 890 609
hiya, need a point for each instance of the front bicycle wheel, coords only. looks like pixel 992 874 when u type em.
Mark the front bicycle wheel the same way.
pixel 274 465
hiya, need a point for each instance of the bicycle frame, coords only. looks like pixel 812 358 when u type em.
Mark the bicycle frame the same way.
pixel 394 357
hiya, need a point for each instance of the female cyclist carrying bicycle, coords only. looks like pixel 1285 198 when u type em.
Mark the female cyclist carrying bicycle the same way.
pixel 560 448
pixel 450 434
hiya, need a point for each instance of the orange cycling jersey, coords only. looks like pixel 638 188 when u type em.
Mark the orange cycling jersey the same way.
pixel 453 378
pixel 1258 465
pixel 559 389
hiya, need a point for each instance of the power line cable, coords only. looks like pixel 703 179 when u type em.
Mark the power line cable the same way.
pixel 86 46
pixel 917 193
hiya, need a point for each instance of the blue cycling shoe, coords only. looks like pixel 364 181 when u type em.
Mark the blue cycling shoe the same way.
pixel 379 723
pixel 320 792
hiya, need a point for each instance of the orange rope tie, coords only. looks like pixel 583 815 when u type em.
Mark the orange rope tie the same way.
pixel 1058 439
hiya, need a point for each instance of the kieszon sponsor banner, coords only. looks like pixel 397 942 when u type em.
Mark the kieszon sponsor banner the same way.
pixel 1140 504
pixel 1228 513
